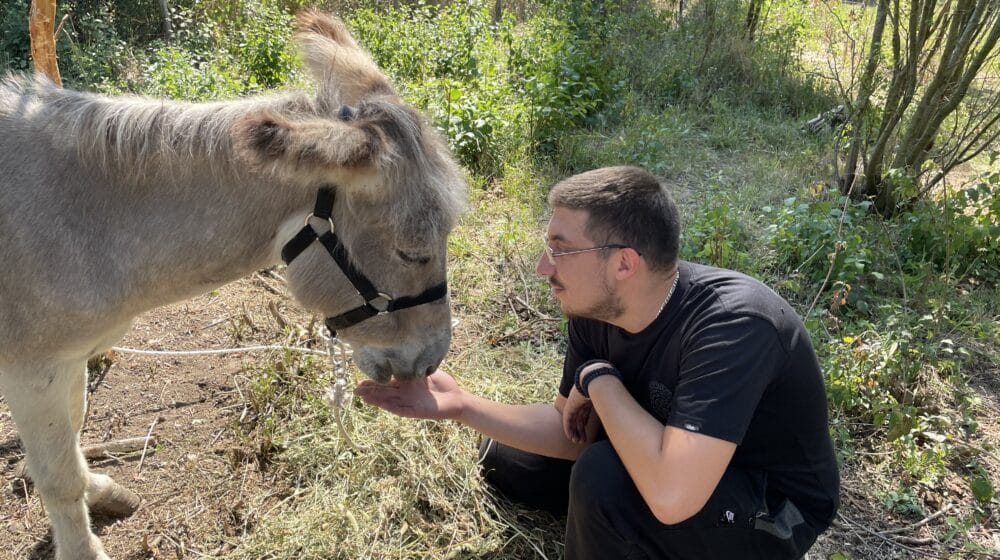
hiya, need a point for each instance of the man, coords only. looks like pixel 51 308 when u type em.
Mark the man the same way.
pixel 691 421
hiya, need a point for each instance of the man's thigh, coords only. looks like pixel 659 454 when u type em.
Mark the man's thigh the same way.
pixel 734 523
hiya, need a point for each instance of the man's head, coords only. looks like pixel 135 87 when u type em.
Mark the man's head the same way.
pixel 626 206
pixel 609 227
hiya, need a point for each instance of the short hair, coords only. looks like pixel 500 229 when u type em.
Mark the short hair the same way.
pixel 628 206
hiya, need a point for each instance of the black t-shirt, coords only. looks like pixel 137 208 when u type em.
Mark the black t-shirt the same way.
pixel 729 358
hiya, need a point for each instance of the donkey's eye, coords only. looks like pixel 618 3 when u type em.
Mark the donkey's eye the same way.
pixel 410 258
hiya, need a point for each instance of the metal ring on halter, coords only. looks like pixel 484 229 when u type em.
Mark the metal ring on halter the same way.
pixel 328 220
pixel 382 297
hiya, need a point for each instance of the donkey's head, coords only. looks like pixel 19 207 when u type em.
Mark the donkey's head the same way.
pixel 397 195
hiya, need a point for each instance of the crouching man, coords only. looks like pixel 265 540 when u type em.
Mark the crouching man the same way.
pixel 691 420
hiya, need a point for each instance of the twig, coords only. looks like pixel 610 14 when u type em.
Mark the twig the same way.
pixel 103 450
pixel 262 347
pixel 272 306
pixel 62 23
pixel 267 285
pixel 918 524
pixel 888 540
pixel 106 450
pixel 146 444
pixel 528 306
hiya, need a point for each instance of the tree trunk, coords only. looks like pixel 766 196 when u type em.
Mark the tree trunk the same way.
pixel 862 102
pixel 168 30
pixel 753 18
pixel 935 63
pixel 41 27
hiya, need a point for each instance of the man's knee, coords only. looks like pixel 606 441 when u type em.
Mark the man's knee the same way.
pixel 533 480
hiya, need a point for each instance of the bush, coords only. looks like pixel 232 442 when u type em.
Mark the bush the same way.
pixel 827 242
pixel 959 230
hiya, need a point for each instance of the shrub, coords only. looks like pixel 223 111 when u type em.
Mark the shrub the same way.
pixel 825 241
pixel 959 230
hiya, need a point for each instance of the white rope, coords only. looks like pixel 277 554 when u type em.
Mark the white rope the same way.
pixel 216 351
pixel 338 395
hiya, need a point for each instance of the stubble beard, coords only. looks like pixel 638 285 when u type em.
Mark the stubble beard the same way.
pixel 607 309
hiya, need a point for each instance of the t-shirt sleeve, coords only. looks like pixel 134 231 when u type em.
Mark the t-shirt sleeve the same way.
pixel 580 350
pixel 727 362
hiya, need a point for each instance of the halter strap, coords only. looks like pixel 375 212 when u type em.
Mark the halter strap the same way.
pixel 376 302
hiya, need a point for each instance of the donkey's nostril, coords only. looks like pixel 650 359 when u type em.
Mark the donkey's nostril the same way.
pixel 430 370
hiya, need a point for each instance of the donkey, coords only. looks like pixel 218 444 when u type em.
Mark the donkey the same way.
pixel 112 206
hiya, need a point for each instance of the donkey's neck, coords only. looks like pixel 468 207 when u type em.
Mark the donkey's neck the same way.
pixel 189 216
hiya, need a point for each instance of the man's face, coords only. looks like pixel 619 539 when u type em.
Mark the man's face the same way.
pixel 582 281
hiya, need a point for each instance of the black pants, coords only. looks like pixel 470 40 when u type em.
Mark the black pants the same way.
pixel 607 519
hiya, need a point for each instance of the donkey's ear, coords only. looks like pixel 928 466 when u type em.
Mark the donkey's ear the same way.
pixel 312 145
pixel 344 72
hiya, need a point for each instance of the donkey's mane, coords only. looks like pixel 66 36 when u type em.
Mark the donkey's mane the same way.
pixel 133 136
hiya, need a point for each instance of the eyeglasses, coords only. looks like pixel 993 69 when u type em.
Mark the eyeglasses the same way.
pixel 551 255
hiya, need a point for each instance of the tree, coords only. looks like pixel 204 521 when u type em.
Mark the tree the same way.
pixel 41 23
pixel 939 110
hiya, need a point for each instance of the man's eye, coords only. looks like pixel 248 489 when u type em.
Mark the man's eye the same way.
pixel 410 258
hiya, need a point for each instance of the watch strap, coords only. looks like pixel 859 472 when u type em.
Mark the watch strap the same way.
pixel 583 385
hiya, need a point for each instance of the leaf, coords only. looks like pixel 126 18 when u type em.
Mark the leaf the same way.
pixel 982 488
pixel 839 556
pixel 899 426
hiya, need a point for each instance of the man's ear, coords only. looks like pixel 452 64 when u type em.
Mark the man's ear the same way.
pixel 628 262
pixel 269 139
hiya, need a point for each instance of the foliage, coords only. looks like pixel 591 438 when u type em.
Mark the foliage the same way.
pixel 703 56
pixel 823 239
pixel 716 236
pixel 15 46
pixel 959 230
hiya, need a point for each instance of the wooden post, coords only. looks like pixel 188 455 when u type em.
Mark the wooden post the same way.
pixel 41 26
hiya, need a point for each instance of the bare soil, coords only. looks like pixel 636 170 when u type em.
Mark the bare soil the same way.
pixel 196 482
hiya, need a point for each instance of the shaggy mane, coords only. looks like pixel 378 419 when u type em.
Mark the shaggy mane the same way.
pixel 133 136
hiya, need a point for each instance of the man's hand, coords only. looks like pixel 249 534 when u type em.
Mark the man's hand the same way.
pixel 436 397
pixel 581 423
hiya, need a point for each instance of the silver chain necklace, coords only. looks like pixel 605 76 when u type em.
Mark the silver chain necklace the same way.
pixel 677 275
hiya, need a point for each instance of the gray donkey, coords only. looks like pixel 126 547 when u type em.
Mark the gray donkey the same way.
pixel 112 206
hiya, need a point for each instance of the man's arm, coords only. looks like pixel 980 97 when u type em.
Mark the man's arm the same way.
pixel 536 428
pixel 675 470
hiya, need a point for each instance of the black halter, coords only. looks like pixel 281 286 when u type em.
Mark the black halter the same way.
pixel 376 302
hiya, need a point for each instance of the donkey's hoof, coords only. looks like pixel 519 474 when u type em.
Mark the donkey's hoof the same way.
pixel 114 501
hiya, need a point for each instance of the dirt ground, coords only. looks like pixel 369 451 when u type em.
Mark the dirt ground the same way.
pixel 195 483
pixel 198 482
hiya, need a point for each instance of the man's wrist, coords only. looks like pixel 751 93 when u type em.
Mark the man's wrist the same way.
pixel 592 370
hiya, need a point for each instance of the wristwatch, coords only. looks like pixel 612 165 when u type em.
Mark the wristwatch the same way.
pixel 582 384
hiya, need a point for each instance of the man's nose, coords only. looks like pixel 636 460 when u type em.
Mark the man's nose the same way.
pixel 543 267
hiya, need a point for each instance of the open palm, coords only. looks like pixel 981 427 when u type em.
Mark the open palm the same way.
pixel 437 396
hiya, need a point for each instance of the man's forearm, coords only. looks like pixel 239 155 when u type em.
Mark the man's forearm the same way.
pixel 675 471
pixel 536 428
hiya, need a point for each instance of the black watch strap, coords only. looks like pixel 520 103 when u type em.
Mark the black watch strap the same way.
pixel 583 385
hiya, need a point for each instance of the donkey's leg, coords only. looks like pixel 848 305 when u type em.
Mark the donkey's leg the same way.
pixel 40 401
pixel 104 495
